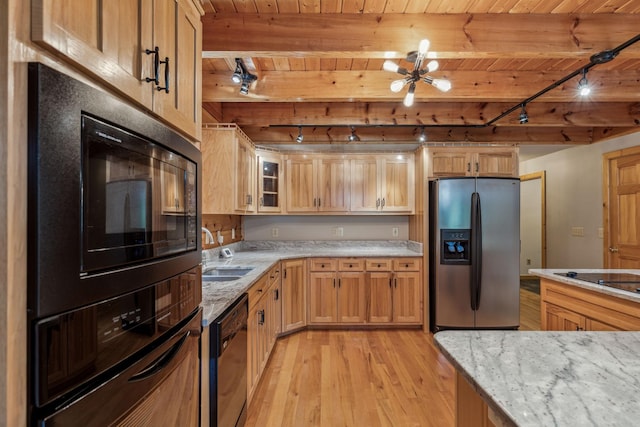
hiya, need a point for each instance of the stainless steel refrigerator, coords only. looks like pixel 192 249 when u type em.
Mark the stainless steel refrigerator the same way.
pixel 474 251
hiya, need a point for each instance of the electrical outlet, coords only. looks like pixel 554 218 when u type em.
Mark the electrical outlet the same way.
pixel 528 261
pixel 577 231
pixel 395 231
pixel 339 231
pixel 274 232
pixel 600 232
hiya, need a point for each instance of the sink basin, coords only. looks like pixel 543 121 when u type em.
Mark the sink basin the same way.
pixel 224 273
pixel 210 278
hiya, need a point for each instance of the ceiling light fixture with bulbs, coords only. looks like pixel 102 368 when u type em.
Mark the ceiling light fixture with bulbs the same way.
pixel 418 73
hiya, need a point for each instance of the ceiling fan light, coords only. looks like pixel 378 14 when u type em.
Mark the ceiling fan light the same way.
pixel 397 85
pixel 424 46
pixel 432 66
pixel 390 66
pixel 442 84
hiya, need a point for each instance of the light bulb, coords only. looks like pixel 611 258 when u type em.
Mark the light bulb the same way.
pixel 397 85
pixel 441 84
pixel 583 87
pixel 390 66
pixel 408 100
pixel 424 46
pixel 432 66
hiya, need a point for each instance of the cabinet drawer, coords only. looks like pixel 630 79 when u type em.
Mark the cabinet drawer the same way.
pixel 378 264
pixel 322 264
pixel 351 264
pixel 274 274
pixel 258 289
pixel 406 264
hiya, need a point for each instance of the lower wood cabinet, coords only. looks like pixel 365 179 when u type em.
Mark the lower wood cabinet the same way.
pixel 565 307
pixel 365 291
pixel 294 295
pixel 263 324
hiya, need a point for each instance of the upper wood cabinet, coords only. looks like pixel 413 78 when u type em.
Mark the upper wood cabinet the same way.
pixel 111 41
pixel 473 161
pixel 228 170
pixel 317 184
pixel 270 173
pixel 383 184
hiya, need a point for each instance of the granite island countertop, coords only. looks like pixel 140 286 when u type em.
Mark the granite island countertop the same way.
pixel 550 273
pixel 262 255
pixel 551 378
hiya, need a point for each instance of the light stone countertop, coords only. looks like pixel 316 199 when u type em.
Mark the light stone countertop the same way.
pixel 551 378
pixel 549 273
pixel 262 255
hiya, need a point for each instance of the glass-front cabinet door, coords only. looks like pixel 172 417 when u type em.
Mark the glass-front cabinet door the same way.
pixel 269 182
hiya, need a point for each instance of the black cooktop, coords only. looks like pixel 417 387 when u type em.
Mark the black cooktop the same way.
pixel 624 281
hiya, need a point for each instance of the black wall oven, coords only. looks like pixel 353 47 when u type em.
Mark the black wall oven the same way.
pixel 114 279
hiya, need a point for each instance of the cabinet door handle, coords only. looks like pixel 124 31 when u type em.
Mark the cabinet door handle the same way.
pixel 395 282
pixel 318 201
pixel 477 167
pixel 261 201
pixel 334 283
pixel 314 202
pixel 469 167
pixel 384 200
pixel 339 282
pixel 166 75
pixel 261 317
pixel 277 294
pixel 390 285
pixel 377 203
pixel 156 65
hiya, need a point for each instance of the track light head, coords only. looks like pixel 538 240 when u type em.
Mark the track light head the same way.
pixel 300 137
pixel 524 117
pixel 583 85
pixel 423 136
pixel 353 137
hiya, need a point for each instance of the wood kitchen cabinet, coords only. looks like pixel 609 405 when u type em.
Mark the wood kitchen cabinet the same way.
pixel 294 295
pixel 228 170
pixel 270 173
pixel 337 291
pixel 395 288
pixel 317 184
pixel 111 40
pixel 263 324
pixel 383 184
pixel 565 307
pixel 473 161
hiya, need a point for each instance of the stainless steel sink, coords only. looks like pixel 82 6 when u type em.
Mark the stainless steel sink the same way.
pixel 224 273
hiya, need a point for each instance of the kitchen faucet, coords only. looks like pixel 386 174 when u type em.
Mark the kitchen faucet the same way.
pixel 208 240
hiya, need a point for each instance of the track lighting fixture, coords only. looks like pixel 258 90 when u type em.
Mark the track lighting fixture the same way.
pixel 524 118
pixel 353 137
pixel 243 77
pixel 423 136
pixel 418 73
pixel 583 85
pixel 300 137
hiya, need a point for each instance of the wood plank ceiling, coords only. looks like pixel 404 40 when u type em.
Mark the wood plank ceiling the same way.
pixel 319 65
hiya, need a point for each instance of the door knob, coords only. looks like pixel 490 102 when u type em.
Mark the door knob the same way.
pixel 613 250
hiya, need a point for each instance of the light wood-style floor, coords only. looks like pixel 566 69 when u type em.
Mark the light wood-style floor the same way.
pixel 362 378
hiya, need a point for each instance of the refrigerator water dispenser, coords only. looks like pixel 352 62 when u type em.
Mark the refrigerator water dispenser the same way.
pixel 455 246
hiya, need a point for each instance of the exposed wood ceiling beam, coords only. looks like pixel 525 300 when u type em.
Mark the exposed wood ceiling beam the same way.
pixel 585 114
pixel 485 86
pixel 451 35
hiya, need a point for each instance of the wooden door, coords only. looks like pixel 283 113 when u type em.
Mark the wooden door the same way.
pixel 178 35
pixel 622 209
pixel 397 184
pixel 294 295
pixel 333 185
pixel 380 285
pixel 364 185
pixel 301 196
pixel 323 297
pixel 407 300
pixel 351 297
pixel 556 318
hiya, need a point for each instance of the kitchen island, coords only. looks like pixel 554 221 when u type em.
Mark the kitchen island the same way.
pixel 544 378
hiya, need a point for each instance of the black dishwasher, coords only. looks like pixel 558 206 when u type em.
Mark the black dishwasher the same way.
pixel 228 366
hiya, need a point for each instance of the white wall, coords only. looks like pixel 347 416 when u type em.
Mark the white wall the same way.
pixel 574 199
pixel 317 227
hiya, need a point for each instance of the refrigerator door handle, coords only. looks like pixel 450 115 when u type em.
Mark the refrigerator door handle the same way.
pixel 476 250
